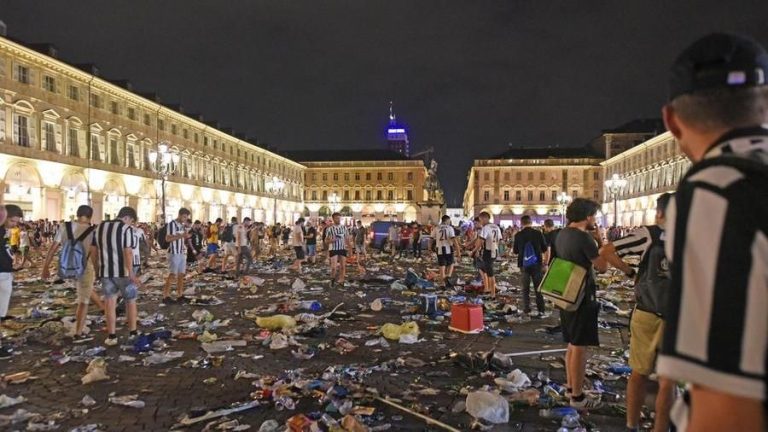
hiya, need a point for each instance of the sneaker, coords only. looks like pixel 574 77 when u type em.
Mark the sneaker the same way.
pixel 168 300
pixel 110 341
pixel 81 338
pixel 5 353
pixel 586 403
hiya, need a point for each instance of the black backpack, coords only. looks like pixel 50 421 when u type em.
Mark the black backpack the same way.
pixel 160 237
pixel 653 280
pixel 229 234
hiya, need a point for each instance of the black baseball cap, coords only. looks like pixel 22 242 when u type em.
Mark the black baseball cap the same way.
pixel 718 60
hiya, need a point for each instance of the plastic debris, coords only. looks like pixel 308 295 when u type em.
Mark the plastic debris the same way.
pixel 276 322
pixel 7 401
pixel 394 331
pixel 163 357
pixel 96 371
pixel 131 401
pixel 488 406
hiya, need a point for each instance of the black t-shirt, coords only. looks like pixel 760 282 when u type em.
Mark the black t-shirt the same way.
pixel 532 236
pixel 6 256
pixel 311 236
pixel 578 247
pixel 551 237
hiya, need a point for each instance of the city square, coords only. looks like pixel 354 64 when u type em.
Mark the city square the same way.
pixel 400 216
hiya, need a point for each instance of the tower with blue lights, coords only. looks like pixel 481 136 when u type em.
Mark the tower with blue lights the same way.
pixel 397 137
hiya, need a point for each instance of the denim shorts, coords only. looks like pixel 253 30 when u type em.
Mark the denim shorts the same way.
pixel 123 285
pixel 212 249
pixel 311 250
pixel 177 263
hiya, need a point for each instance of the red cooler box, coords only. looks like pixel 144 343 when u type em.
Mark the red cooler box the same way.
pixel 466 318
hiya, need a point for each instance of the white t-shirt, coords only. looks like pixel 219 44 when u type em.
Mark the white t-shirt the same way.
pixel 77 229
pixel 24 239
pixel 491 234
pixel 297 236
pixel 443 235
pixel 241 231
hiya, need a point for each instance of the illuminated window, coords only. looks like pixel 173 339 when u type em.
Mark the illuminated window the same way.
pixel 518 195
pixel 506 194
pixel 542 196
pixel 346 195
pixel 530 195
pixel 357 176
pixel 390 195
pixel 486 194
pixel 554 195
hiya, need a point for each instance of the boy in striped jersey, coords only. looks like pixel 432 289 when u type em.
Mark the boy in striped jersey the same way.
pixel 176 236
pixel 487 249
pixel 716 329
pixel 444 242
pixel 337 239
pixel 114 261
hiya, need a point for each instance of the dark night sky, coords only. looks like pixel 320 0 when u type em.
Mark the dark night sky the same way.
pixel 467 77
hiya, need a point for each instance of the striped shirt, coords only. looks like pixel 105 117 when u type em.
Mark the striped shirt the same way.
pixel 138 234
pixel 177 246
pixel 339 234
pixel 635 243
pixel 491 235
pixel 112 238
pixel 716 332
pixel 444 235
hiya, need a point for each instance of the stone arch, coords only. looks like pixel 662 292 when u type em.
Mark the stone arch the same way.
pixel 22 173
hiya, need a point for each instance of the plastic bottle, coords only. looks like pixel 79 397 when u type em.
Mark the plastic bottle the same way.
pixel 311 305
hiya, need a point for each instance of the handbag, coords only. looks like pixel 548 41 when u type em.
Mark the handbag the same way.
pixel 564 284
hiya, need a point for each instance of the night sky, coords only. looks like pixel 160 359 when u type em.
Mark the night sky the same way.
pixel 466 77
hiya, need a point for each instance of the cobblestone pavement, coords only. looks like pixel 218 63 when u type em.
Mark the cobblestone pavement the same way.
pixel 177 388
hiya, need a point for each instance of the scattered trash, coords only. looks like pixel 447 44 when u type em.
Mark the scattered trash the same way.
pixel 276 322
pixel 488 406
pixel 131 401
pixel 96 371
pixel 7 401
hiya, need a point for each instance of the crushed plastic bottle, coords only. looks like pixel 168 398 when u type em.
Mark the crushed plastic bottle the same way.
pixel 163 357
pixel 488 406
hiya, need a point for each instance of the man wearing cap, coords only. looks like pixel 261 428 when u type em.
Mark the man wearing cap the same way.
pixel 717 235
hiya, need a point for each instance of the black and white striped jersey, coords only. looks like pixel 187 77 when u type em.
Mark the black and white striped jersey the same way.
pixel 716 332
pixel 444 235
pixel 338 235
pixel 112 238
pixel 177 246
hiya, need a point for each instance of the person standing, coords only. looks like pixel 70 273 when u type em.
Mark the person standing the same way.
pixel 297 242
pixel 393 238
pixel 550 235
pixel 176 236
pixel 212 249
pixel 579 244
pixel 256 235
pixel 10 215
pixel 242 243
pixel 115 242
pixel 195 244
pixel 274 239
pixel 227 237
pixel 716 330
pixel 487 248
pixel 445 242
pixel 533 260
pixel 416 239
pixel 311 240
pixel 336 238
pixel 361 234
pixel 647 321
pixel 405 240
pixel 84 284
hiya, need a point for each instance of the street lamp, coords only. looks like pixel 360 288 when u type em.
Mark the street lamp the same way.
pixel 563 199
pixel 164 163
pixel 275 187
pixel 334 202
pixel 615 185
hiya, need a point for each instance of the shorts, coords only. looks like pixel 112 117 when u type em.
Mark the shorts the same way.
pixel 212 249
pixel 646 330
pixel 6 286
pixel 24 250
pixel 311 250
pixel 122 285
pixel 137 269
pixel 341 252
pixel 177 263
pixel 14 249
pixel 580 326
pixel 444 260
pixel 299 252
pixel 84 285
pixel 487 263
pixel 230 248
pixel 360 249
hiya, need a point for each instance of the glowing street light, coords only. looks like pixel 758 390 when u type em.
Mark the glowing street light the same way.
pixel 334 202
pixel 164 163
pixel 275 187
pixel 563 199
pixel 615 185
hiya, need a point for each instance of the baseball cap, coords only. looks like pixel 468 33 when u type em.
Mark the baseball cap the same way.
pixel 718 60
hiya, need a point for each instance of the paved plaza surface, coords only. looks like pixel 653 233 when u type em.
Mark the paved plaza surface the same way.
pixel 424 377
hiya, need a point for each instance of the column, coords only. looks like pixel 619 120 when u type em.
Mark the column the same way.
pixel 314 215
pixel 53 203
pixel 133 202
pixel 97 202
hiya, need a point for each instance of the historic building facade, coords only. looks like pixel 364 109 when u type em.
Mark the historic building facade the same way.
pixel 650 169
pixel 69 137
pixel 368 185
pixel 528 181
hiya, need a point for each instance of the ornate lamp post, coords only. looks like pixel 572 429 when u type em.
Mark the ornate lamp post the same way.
pixel 563 199
pixel 275 187
pixel 615 185
pixel 164 162
pixel 334 202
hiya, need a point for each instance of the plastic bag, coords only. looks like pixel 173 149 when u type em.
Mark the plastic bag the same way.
pixel 276 322
pixel 488 406
pixel 96 371
pixel 394 331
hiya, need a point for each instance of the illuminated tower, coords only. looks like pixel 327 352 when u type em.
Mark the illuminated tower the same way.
pixel 397 138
